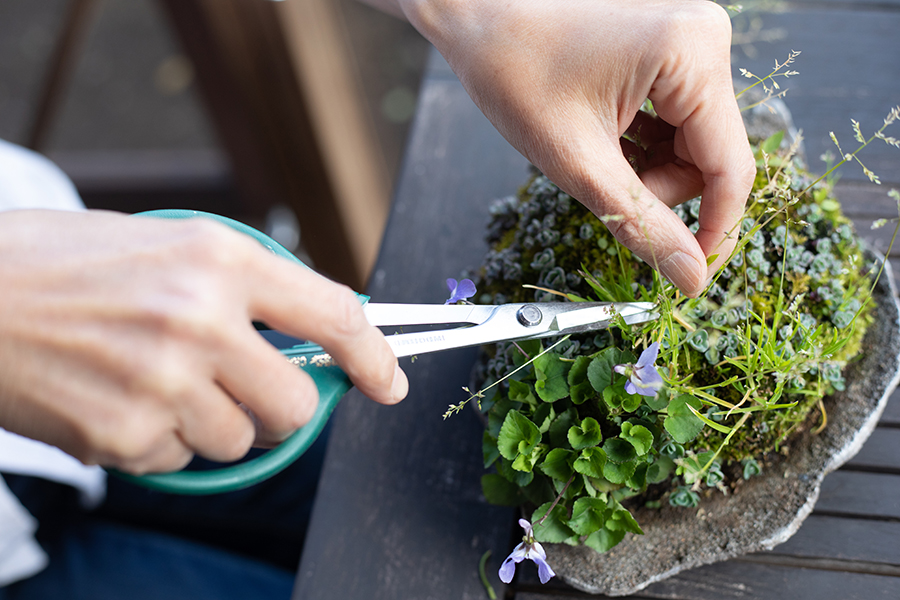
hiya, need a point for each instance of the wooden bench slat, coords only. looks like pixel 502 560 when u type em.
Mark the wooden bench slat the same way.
pixel 891 415
pixel 740 580
pixel 845 539
pixel 846 70
pixel 881 452
pixel 399 511
pixel 872 495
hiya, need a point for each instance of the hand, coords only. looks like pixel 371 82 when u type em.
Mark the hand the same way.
pixel 128 342
pixel 563 81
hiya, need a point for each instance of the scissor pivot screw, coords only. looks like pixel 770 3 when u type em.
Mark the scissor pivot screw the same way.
pixel 529 315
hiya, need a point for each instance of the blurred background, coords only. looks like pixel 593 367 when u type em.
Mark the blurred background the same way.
pixel 262 111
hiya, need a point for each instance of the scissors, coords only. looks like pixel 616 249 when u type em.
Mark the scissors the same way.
pixel 475 325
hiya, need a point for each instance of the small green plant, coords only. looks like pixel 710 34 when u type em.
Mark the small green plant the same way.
pixel 581 431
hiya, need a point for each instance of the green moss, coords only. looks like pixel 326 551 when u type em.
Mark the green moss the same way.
pixel 772 332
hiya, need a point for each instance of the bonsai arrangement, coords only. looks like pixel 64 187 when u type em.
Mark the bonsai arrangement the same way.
pixel 591 433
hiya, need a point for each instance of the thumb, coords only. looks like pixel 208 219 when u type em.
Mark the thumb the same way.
pixel 644 224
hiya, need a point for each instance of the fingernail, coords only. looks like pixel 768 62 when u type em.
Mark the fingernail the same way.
pixel 684 271
pixel 400 385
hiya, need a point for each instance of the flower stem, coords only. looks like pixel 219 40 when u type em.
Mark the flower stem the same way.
pixel 484 580
pixel 558 498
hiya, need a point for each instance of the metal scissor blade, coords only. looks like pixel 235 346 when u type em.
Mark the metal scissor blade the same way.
pixel 516 322
pixel 590 318
pixel 382 315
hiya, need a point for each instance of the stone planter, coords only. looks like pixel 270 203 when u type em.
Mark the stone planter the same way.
pixel 766 510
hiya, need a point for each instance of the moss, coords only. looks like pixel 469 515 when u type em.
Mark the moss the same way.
pixel 778 319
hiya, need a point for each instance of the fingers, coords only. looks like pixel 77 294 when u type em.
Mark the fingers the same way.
pixel 213 425
pixel 646 225
pixel 163 435
pixel 280 396
pixel 697 97
pixel 301 303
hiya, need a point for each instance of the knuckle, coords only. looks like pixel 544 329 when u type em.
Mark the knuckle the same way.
pixel 679 30
pixel 212 242
pixel 711 17
pixel 125 440
pixel 214 253
pixel 162 379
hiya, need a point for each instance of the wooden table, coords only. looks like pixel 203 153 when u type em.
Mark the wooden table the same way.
pixel 400 513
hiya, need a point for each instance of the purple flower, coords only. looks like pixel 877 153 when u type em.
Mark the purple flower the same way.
pixel 460 291
pixel 643 378
pixel 530 549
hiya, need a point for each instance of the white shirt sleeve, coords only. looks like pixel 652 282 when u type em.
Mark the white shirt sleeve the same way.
pixel 29 180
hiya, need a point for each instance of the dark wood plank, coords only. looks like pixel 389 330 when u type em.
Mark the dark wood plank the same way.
pixel 746 580
pixel 880 453
pixel 866 199
pixel 399 513
pixel 848 69
pixel 848 539
pixel 869 495
pixel 891 415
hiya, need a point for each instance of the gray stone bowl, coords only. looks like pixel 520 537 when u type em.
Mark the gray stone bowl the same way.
pixel 766 510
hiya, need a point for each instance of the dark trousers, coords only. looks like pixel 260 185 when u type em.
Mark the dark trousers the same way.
pixel 142 544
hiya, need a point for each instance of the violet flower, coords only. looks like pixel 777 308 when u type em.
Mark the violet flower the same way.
pixel 532 550
pixel 643 378
pixel 460 291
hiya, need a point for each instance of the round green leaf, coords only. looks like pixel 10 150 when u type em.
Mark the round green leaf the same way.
pixel 519 391
pixel 591 462
pixel 604 539
pixel 681 423
pixel 631 402
pixel 588 515
pixel 660 469
pixel 638 479
pixel 600 371
pixel 551 384
pixel 619 473
pixel 554 528
pixel 558 464
pixel 579 371
pixel 638 436
pixel 518 435
pixel 526 462
pixel 621 520
pixel 586 434
pixel 618 450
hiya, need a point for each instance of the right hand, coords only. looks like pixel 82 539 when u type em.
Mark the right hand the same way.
pixel 129 342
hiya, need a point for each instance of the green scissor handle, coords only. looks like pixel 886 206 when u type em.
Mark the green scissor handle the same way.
pixel 332 382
